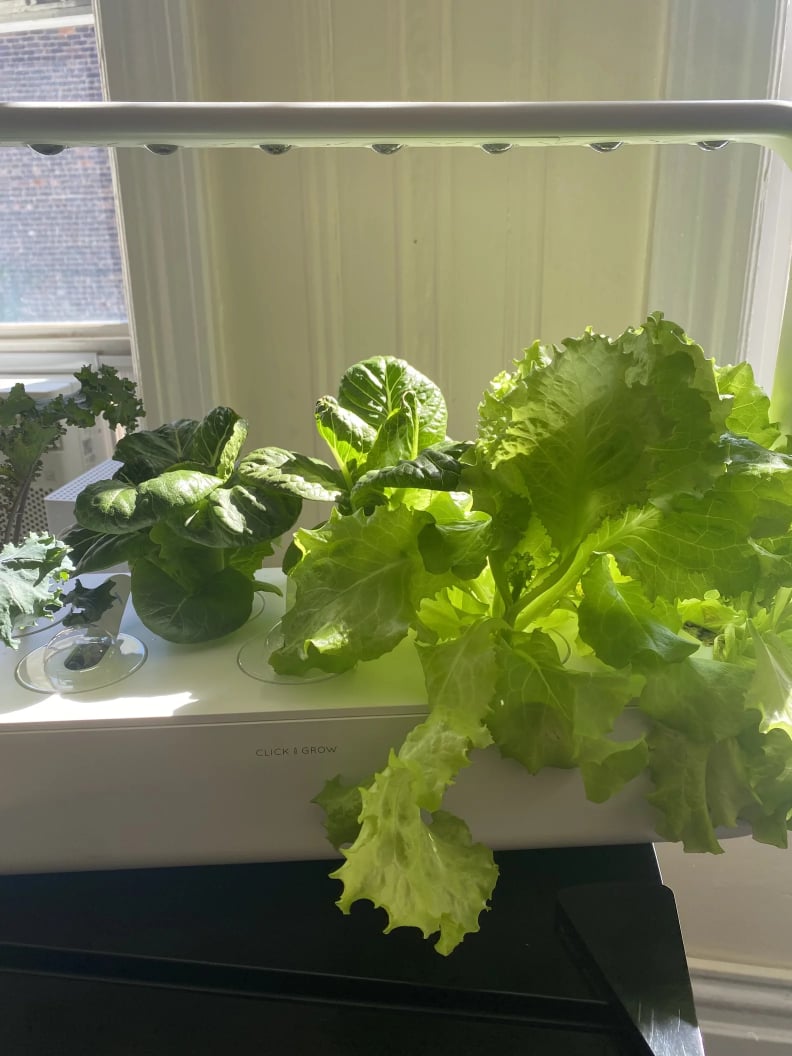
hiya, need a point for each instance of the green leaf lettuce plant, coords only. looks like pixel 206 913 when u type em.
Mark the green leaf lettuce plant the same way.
pixel 617 536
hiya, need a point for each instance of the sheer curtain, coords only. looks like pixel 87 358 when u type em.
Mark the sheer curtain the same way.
pixel 243 266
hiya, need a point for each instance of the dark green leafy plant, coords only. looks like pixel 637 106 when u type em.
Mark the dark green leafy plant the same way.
pixel 28 429
pixel 619 535
pixel 193 520
pixel 31 574
pixel 32 570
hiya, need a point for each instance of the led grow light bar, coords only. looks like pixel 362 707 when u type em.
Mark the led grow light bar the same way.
pixel 50 128
pixel 708 123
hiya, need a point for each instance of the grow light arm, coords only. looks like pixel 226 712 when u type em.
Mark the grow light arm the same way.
pixel 768 123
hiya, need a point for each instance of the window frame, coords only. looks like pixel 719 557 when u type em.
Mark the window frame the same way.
pixel 57 14
pixel 42 350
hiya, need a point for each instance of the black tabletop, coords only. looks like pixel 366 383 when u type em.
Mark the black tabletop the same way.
pixel 257 958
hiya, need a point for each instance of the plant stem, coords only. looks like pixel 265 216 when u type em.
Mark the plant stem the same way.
pixel 549 589
pixel 17 511
pixel 546 594
pixel 498 569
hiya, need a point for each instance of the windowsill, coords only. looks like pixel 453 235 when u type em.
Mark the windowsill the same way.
pixel 41 349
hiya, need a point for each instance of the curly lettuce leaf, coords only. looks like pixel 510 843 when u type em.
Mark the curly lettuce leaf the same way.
pixel 605 425
pixel 695 546
pixel 607 766
pixel 678 767
pixel 702 785
pixel 358 585
pixel 555 579
pixel 708 754
pixel 768 766
pixel 341 805
pixel 771 687
pixel 701 698
pixel 629 541
pixel 445 615
pixel 546 714
pixel 617 620
pixel 428 874
pixel 749 414
pixel 775 565
pixel 460 545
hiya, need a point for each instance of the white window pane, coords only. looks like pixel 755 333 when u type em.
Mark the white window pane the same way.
pixel 59 253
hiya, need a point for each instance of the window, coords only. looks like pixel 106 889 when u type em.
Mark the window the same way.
pixel 62 300
pixel 59 251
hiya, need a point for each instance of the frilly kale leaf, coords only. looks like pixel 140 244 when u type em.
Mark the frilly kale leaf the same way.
pixel 31 575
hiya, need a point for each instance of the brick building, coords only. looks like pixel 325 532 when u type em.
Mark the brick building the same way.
pixel 59 254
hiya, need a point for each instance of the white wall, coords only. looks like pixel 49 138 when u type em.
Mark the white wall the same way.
pixel 737 906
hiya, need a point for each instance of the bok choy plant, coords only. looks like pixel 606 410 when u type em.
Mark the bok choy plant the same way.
pixel 192 519
pixel 386 430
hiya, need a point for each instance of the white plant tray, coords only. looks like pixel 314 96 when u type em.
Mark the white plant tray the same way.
pixel 189 761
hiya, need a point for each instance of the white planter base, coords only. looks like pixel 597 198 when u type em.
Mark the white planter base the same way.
pixel 189 761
